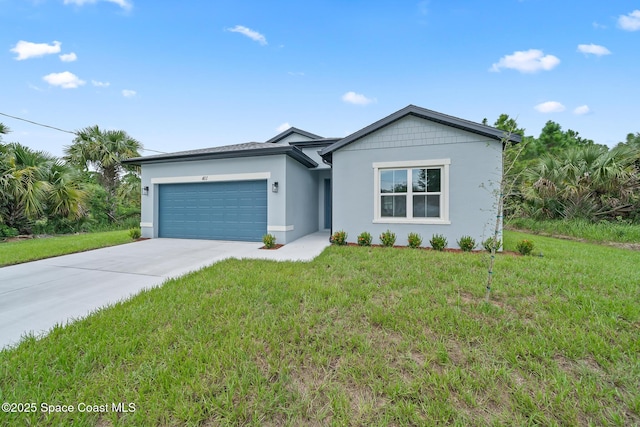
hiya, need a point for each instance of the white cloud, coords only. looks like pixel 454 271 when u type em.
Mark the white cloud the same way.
pixel 65 80
pixel 630 22
pixel 125 4
pixel 283 127
pixel 593 49
pixel 128 93
pixel 598 26
pixel 582 110
pixel 68 57
pixel 100 84
pixel 26 50
pixel 550 107
pixel 529 61
pixel 253 35
pixel 357 98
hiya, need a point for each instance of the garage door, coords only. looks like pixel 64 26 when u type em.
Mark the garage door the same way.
pixel 213 210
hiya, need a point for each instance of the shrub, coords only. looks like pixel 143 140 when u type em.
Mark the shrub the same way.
pixel 135 233
pixel 525 247
pixel 415 240
pixel 490 243
pixel 269 241
pixel 388 238
pixel 339 238
pixel 467 243
pixel 438 242
pixel 6 231
pixel 364 239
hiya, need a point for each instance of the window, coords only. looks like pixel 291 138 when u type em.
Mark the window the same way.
pixel 414 191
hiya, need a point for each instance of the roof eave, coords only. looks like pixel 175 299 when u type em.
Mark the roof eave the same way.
pixel 290 151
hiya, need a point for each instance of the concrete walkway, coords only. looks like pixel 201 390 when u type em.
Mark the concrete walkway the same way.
pixel 36 296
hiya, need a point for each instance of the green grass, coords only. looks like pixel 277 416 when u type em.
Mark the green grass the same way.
pixel 359 336
pixel 600 232
pixel 17 252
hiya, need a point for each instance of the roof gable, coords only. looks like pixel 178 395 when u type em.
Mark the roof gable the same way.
pixel 423 113
pixel 294 131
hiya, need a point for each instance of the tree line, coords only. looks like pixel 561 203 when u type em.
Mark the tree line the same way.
pixel 87 189
pixel 561 175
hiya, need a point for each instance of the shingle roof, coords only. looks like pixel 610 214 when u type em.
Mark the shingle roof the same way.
pixel 247 149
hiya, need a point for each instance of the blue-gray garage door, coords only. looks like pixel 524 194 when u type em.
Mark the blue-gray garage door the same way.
pixel 213 210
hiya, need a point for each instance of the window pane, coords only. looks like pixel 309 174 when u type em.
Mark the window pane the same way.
pixel 419 178
pixel 386 181
pixel 400 181
pixel 433 206
pixel 400 206
pixel 419 206
pixel 393 206
pixel 433 180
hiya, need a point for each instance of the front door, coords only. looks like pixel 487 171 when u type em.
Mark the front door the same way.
pixel 327 203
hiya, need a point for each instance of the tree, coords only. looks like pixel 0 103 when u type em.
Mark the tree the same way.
pixel 35 185
pixel 103 152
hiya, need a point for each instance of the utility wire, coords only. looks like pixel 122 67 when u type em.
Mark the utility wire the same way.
pixel 65 131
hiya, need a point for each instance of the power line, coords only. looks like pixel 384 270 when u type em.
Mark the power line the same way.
pixel 38 124
pixel 65 131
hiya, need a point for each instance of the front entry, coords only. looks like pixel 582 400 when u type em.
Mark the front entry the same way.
pixel 327 203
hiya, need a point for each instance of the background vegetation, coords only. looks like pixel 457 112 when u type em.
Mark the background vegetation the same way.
pixel 87 190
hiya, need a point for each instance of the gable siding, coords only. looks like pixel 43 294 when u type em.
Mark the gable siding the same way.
pixel 412 131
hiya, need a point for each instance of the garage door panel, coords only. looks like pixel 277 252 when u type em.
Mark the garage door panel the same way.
pixel 220 210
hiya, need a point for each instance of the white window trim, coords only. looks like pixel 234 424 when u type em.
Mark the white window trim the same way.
pixel 411 164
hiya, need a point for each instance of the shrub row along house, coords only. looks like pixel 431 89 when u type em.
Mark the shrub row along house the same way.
pixel 415 170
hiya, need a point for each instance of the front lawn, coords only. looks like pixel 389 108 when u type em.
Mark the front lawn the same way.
pixel 17 252
pixel 359 336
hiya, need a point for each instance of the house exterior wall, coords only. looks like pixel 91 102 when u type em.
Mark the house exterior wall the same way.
pixel 312 153
pixel 294 137
pixel 300 190
pixel 272 168
pixel 474 170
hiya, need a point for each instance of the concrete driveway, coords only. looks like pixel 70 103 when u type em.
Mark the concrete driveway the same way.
pixel 36 296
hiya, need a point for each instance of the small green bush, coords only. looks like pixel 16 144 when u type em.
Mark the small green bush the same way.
pixel 467 243
pixel 388 238
pixel 135 233
pixel 525 247
pixel 490 243
pixel 364 239
pixel 438 242
pixel 415 240
pixel 6 231
pixel 269 241
pixel 339 238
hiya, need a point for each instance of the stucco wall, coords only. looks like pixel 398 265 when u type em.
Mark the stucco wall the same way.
pixel 274 166
pixel 475 163
pixel 300 188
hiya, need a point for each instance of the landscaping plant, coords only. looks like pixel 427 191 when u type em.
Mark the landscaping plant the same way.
pixel 269 241
pixel 364 239
pixel 491 244
pixel 388 238
pixel 438 242
pixel 135 233
pixel 525 246
pixel 415 240
pixel 467 243
pixel 339 238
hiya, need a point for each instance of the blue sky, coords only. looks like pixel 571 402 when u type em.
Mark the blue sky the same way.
pixel 194 74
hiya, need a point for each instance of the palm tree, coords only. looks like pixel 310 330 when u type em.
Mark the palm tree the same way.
pixel 103 152
pixel 34 185
pixel 590 182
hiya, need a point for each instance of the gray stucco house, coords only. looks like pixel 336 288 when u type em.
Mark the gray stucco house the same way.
pixel 415 170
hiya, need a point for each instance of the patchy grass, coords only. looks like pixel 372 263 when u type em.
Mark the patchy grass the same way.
pixel 16 252
pixel 359 336
pixel 598 232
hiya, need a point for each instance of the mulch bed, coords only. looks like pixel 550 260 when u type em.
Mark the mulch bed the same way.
pixel 510 253
pixel 276 246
